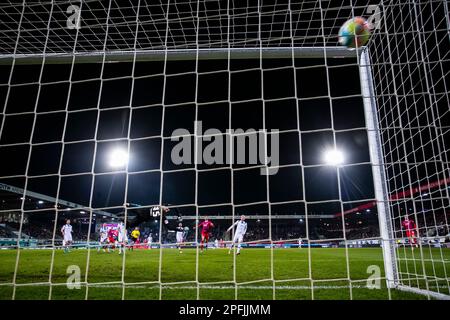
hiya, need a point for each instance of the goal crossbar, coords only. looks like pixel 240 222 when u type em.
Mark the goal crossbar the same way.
pixel 179 55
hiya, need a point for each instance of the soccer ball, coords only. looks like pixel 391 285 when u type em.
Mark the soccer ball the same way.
pixel 354 33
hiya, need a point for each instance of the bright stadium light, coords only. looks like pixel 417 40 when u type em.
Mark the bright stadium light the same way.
pixel 334 157
pixel 118 158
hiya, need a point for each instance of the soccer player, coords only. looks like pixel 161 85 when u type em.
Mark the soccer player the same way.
pixel 135 234
pixel 410 227
pixel 300 243
pixel 180 236
pixel 103 238
pixel 241 229
pixel 112 236
pixel 163 211
pixel 206 226
pixel 149 241
pixel 66 231
pixel 122 237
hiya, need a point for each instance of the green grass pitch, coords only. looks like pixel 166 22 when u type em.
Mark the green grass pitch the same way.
pixel 329 269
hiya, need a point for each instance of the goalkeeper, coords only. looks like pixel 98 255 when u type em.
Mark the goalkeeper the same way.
pixel 241 229
pixel 162 212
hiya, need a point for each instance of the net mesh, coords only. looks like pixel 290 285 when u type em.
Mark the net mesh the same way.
pixel 61 121
pixel 409 58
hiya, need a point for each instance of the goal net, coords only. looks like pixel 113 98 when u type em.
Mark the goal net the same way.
pixel 127 124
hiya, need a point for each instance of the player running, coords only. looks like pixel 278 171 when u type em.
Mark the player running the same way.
pixel 206 226
pixel 300 241
pixel 66 231
pixel 241 229
pixel 122 237
pixel 112 238
pixel 410 227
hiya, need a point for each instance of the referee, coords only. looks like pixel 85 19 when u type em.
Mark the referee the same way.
pixel 135 234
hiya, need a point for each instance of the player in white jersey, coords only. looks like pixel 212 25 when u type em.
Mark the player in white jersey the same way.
pixel 180 236
pixel 103 238
pixel 66 231
pixel 300 243
pixel 241 229
pixel 122 237
pixel 149 241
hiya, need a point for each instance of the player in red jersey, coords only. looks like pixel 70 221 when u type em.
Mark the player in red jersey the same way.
pixel 410 227
pixel 206 226
pixel 112 237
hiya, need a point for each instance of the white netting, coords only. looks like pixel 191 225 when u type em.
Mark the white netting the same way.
pixel 135 71
pixel 213 24
pixel 410 57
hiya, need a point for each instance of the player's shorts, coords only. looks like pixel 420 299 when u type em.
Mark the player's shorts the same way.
pixel 179 236
pixel 123 239
pixel 111 240
pixel 238 237
pixel 410 233
pixel 205 235
pixel 68 238
pixel 135 240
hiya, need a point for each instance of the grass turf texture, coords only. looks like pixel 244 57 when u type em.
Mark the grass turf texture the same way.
pixel 328 269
